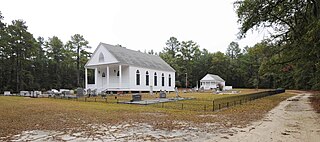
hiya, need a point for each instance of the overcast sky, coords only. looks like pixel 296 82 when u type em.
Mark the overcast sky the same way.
pixel 135 24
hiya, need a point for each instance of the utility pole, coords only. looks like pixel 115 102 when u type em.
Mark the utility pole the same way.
pixel 186 80
pixel 78 66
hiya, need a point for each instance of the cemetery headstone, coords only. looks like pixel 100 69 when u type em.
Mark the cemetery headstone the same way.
pixel 94 92
pixel 55 91
pixel 80 92
pixel 201 89
pixel 37 93
pixel 50 93
pixel 151 90
pixel 162 94
pixel 66 93
pixel 24 93
pixel 89 92
pixel 71 92
pixel 177 92
pixel 7 93
pixel 103 94
pixel 136 97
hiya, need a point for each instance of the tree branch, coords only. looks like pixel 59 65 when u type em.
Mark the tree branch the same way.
pixel 287 23
pixel 285 62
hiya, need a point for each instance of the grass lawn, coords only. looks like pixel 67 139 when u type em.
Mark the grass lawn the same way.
pixel 18 114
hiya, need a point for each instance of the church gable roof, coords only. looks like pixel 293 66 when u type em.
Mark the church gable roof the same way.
pixel 101 56
pixel 136 58
pixel 212 77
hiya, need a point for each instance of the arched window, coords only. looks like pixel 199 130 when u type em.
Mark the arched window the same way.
pixel 155 79
pixel 147 78
pixel 138 77
pixel 162 79
pixel 170 80
pixel 101 58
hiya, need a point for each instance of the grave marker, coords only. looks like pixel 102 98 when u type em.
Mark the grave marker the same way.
pixel 24 93
pixel 7 93
pixel 162 94
pixel 136 97
pixel 151 90
pixel 177 92
pixel 80 92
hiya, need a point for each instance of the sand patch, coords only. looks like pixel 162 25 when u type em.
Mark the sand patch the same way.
pixel 291 120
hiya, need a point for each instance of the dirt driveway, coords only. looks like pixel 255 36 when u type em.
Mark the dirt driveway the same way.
pixel 292 121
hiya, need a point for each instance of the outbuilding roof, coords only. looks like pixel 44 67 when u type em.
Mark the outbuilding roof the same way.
pixel 212 77
pixel 136 58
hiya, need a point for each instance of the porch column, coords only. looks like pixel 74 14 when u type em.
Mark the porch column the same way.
pixel 108 76
pixel 86 78
pixel 205 85
pixel 96 77
pixel 120 80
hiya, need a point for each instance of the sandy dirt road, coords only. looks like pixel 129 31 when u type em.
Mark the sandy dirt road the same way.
pixel 293 120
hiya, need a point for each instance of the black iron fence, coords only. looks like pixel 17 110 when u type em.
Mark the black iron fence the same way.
pixel 192 105
pixel 217 104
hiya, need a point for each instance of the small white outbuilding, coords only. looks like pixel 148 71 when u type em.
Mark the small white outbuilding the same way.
pixel 211 81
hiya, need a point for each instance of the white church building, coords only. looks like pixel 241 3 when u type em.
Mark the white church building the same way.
pixel 211 81
pixel 117 68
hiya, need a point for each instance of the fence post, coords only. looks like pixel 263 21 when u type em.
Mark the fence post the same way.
pixel 235 102
pixel 212 105
pixel 182 106
pixel 162 105
pixel 227 104
pixel 240 102
pixel 219 106
pixel 205 107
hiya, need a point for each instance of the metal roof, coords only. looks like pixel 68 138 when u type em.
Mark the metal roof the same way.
pixel 214 77
pixel 138 59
